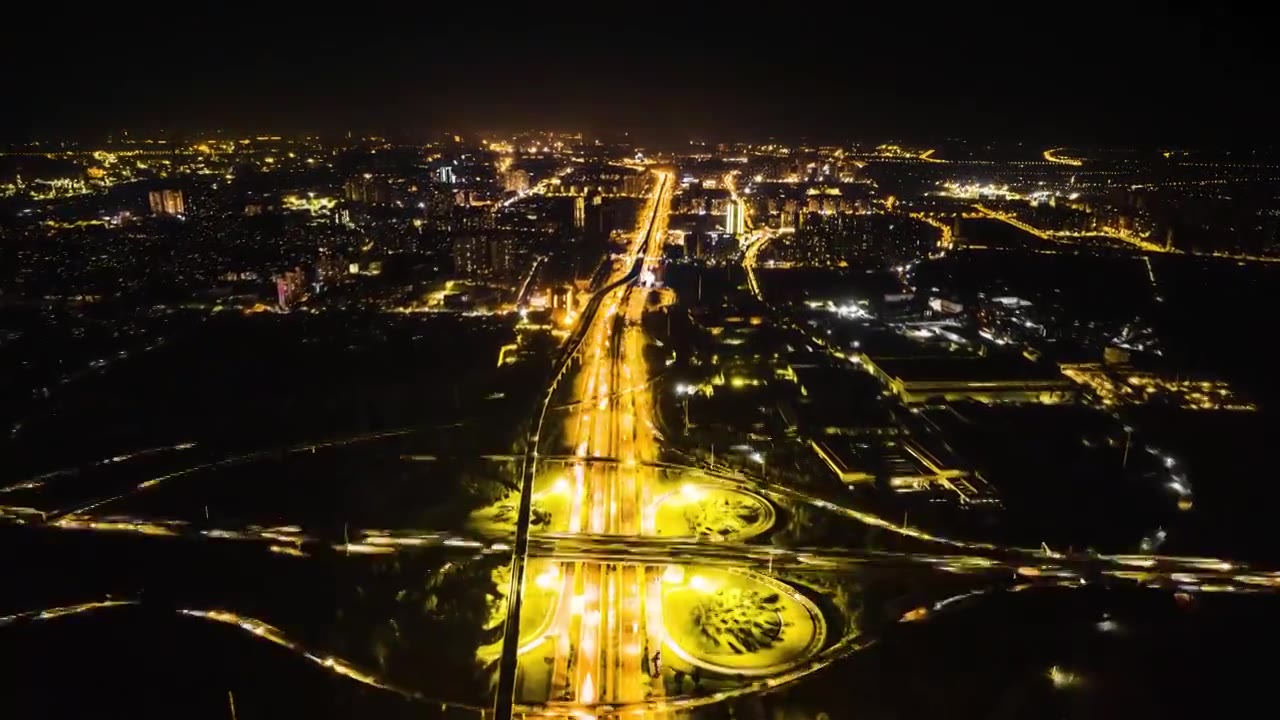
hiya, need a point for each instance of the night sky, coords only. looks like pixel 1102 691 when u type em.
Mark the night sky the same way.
pixel 1071 72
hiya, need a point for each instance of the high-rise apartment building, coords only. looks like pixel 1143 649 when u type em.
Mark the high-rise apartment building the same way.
pixel 516 181
pixel 368 189
pixel 484 255
pixel 735 219
pixel 167 202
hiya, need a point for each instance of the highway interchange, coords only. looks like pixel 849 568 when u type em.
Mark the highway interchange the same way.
pixel 605 559
pixel 606 621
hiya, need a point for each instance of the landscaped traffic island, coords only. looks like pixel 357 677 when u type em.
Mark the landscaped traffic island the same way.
pixel 738 623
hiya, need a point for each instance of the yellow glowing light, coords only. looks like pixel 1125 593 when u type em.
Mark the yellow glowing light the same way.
pixel 561 486
pixel 914 614
pixel 691 491
pixel 547 579
pixel 287 550
pixel 699 583
pixel 673 575
pixel 1063 678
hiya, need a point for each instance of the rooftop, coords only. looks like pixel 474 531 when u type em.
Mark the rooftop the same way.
pixel 968 369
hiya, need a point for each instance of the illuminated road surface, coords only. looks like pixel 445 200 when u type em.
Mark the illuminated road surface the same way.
pixel 608 617
pixel 601 631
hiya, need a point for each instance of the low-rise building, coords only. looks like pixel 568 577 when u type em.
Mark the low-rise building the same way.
pixel 988 379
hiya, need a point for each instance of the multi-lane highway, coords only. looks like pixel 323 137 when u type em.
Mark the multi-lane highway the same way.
pixel 602 639
pixel 603 628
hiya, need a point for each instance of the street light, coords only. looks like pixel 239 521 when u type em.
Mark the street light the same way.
pixel 1128 438
pixel 684 391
